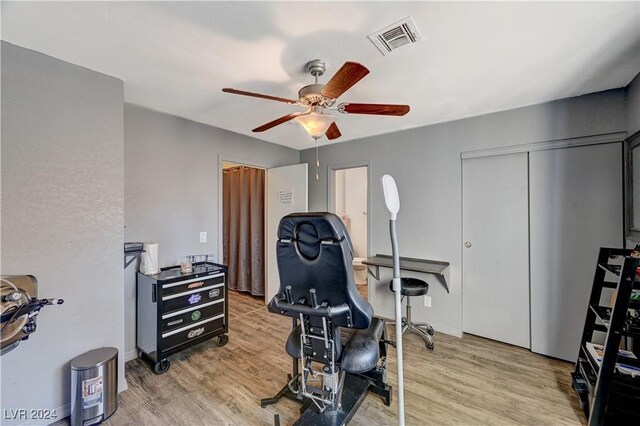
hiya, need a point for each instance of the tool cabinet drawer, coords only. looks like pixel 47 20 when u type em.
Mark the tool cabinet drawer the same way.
pixel 179 336
pixel 175 302
pixel 191 284
pixel 191 315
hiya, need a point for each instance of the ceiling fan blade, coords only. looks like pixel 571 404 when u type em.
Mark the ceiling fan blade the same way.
pixel 348 75
pixel 258 95
pixel 374 109
pixel 276 122
pixel 333 132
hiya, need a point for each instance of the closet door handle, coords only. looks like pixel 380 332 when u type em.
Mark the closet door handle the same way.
pixel 467 244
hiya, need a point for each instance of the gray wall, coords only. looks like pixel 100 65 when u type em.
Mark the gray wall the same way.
pixel 62 217
pixel 171 186
pixel 426 165
pixel 633 106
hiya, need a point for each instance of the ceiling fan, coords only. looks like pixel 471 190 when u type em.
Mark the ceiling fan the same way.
pixel 320 98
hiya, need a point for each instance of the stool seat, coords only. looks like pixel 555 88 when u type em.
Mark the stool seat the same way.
pixel 411 287
pixel 415 287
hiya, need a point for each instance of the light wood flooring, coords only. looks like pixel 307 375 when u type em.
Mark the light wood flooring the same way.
pixel 471 381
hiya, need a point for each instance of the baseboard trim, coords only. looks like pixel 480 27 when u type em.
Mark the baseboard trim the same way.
pixel 130 355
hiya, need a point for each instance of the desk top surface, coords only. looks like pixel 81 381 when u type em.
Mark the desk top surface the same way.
pixel 408 264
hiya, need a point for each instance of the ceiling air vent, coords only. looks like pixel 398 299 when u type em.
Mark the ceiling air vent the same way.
pixel 396 35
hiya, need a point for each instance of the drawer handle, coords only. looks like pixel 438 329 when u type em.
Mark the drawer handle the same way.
pixel 197 324
pixel 193 308
pixel 198 290
pixel 205 278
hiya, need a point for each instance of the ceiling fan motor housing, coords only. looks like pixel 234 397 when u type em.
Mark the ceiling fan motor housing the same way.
pixel 310 95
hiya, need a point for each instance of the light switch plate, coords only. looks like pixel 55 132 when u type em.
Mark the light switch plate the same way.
pixel 203 237
pixel 427 301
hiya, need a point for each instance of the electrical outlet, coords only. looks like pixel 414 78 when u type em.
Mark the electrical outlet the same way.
pixel 203 237
pixel 427 301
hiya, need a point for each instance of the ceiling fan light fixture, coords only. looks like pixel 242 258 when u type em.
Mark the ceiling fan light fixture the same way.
pixel 320 97
pixel 315 123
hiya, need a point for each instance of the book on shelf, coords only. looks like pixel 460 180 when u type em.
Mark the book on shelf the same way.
pixel 596 352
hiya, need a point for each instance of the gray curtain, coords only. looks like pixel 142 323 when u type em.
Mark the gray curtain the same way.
pixel 243 233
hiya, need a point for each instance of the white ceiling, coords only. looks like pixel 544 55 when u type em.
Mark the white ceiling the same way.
pixel 476 57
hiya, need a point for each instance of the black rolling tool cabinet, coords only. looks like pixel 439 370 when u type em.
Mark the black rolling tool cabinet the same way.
pixel 175 311
pixel 607 394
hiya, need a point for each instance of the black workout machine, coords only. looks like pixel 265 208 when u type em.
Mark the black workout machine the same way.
pixel 338 347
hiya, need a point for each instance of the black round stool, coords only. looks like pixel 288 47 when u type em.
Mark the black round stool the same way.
pixel 414 287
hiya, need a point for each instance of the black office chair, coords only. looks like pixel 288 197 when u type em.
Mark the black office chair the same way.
pixel 317 287
pixel 415 287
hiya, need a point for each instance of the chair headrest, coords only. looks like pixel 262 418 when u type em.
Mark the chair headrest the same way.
pixel 309 230
pixel 315 257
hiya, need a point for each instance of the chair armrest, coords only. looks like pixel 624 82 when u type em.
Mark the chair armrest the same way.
pixel 279 304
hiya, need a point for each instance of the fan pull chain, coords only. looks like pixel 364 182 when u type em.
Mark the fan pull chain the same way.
pixel 317 162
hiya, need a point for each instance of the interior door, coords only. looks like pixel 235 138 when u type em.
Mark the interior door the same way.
pixel 495 258
pixel 286 193
pixel 576 208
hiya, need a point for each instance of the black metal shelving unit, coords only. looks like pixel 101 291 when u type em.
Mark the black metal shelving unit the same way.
pixel 606 395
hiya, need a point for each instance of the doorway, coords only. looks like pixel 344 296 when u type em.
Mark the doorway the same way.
pixel 243 229
pixel 279 181
pixel 349 200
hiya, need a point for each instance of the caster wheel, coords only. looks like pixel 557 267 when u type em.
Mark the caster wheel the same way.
pixel 431 346
pixel 223 340
pixel 430 330
pixel 162 366
pixel 140 354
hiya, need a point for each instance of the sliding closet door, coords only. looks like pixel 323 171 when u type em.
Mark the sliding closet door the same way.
pixel 576 207
pixel 495 273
